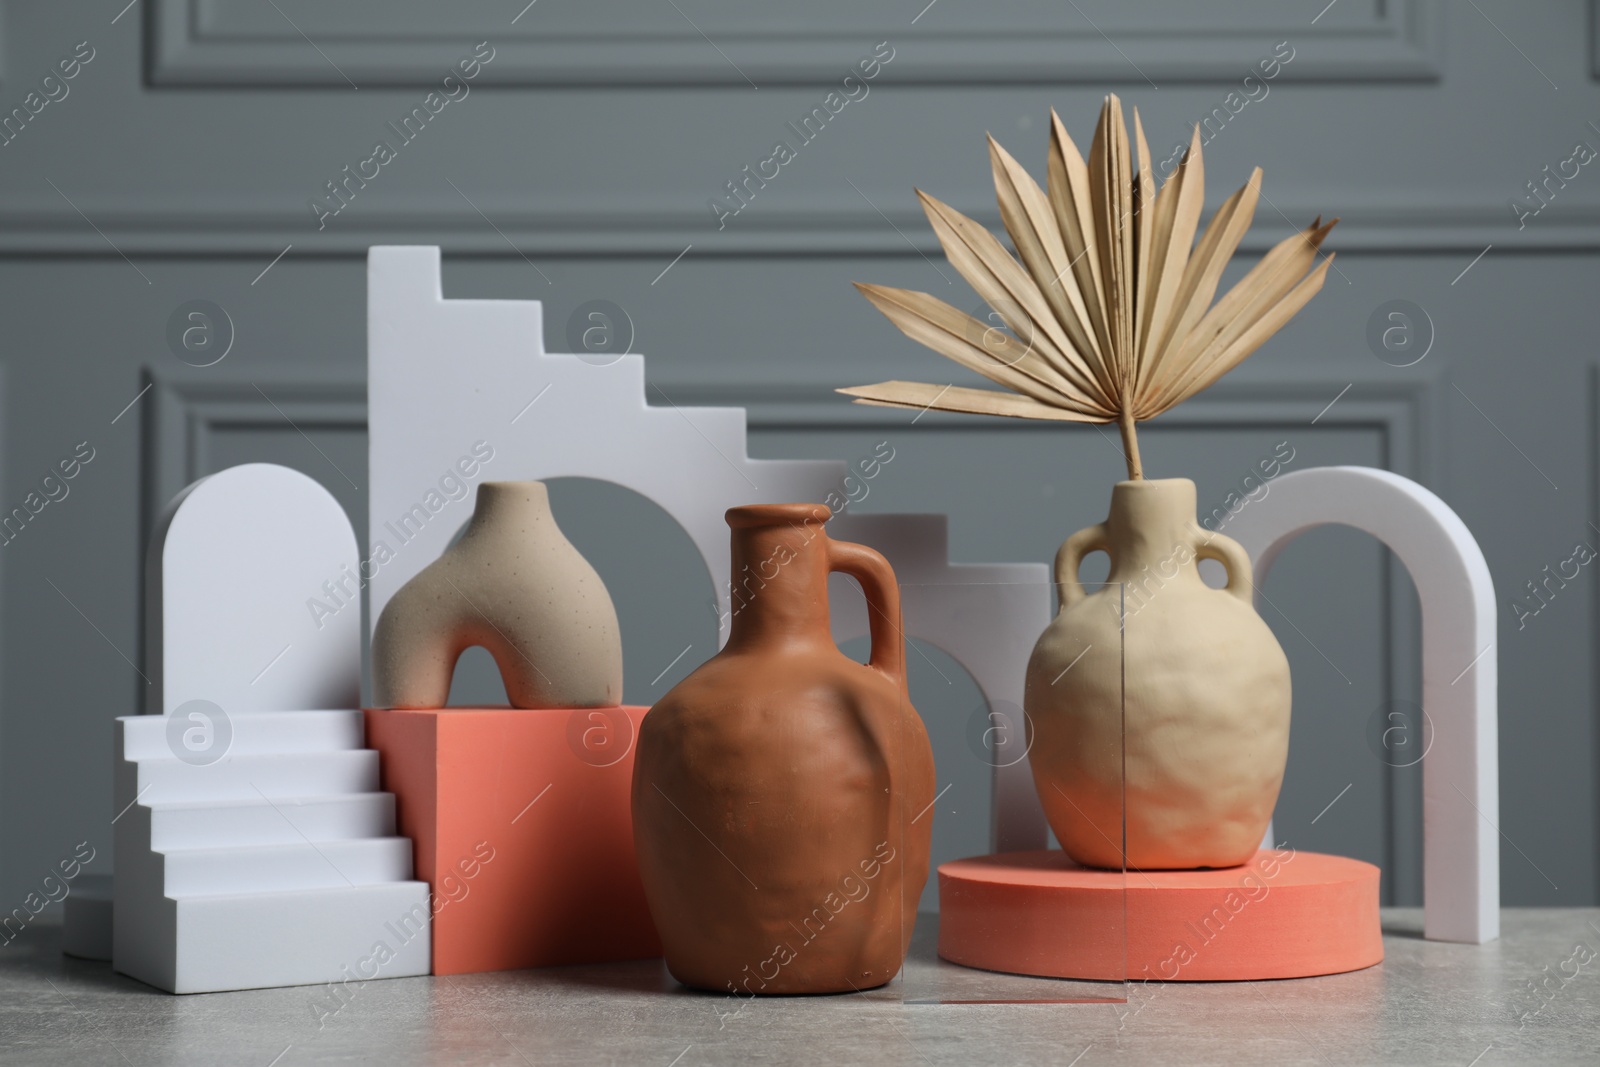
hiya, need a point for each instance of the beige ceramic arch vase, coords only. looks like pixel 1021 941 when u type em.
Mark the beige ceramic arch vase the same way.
pixel 515 585
pixel 1201 733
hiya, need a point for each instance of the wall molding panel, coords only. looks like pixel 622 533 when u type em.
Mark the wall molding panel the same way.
pixel 592 229
pixel 187 408
pixel 210 43
pixel 1404 409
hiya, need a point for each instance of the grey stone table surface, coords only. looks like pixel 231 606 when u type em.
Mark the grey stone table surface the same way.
pixel 1531 997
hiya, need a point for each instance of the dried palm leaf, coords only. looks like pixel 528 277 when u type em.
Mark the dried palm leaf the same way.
pixel 924 395
pixel 1110 307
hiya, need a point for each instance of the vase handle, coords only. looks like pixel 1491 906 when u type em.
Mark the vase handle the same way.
pixel 1073 549
pixel 1234 559
pixel 883 603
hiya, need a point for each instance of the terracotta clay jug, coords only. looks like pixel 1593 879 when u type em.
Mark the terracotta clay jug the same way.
pixel 1206 729
pixel 780 792
pixel 514 584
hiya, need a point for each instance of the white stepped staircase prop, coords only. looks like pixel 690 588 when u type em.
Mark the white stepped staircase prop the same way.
pixel 443 375
pixel 253 846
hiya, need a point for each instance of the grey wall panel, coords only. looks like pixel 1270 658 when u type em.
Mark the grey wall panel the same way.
pixel 237 42
pixel 155 182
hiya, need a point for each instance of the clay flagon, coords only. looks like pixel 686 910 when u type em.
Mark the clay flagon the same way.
pixel 780 792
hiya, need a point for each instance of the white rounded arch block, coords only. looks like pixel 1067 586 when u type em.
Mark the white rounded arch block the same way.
pixel 234 562
pixel 987 616
pixel 1460 773
pixel 443 375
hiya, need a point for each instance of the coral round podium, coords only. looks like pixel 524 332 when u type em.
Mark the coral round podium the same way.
pixel 1285 914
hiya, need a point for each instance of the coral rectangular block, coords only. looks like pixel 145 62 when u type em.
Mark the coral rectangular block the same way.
pixel 522 828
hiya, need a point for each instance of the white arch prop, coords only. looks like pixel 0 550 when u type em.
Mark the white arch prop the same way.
pixel 232 561
pixel 1460 775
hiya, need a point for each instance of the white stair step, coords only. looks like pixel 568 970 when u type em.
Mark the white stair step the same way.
pixel 194 872
pixel 303 937
pixel 253 777
pixel 253 733
pixel 257 821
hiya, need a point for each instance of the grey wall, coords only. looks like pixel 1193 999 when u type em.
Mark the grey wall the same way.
pixel 182 160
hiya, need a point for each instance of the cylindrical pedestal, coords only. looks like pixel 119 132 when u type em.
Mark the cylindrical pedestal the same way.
pixel 1285 914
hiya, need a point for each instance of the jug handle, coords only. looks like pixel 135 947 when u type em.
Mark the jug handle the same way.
pixel 1068 559
pixel 1234 559
pixel 883 603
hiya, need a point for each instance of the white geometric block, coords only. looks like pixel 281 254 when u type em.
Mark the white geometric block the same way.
pixel 316 936
pixel 443 375
pixel 1460 677
pixel 277 864
pixel 253 847
pixel 233 561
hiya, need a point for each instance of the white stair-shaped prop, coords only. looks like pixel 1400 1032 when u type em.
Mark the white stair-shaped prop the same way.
pixel 253 846
pixel 445 375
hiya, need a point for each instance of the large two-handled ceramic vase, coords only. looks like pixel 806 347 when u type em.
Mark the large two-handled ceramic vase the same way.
pixel 780 792
pixel 1157 697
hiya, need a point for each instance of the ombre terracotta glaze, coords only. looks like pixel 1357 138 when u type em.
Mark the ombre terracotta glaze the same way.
pixel 777 789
